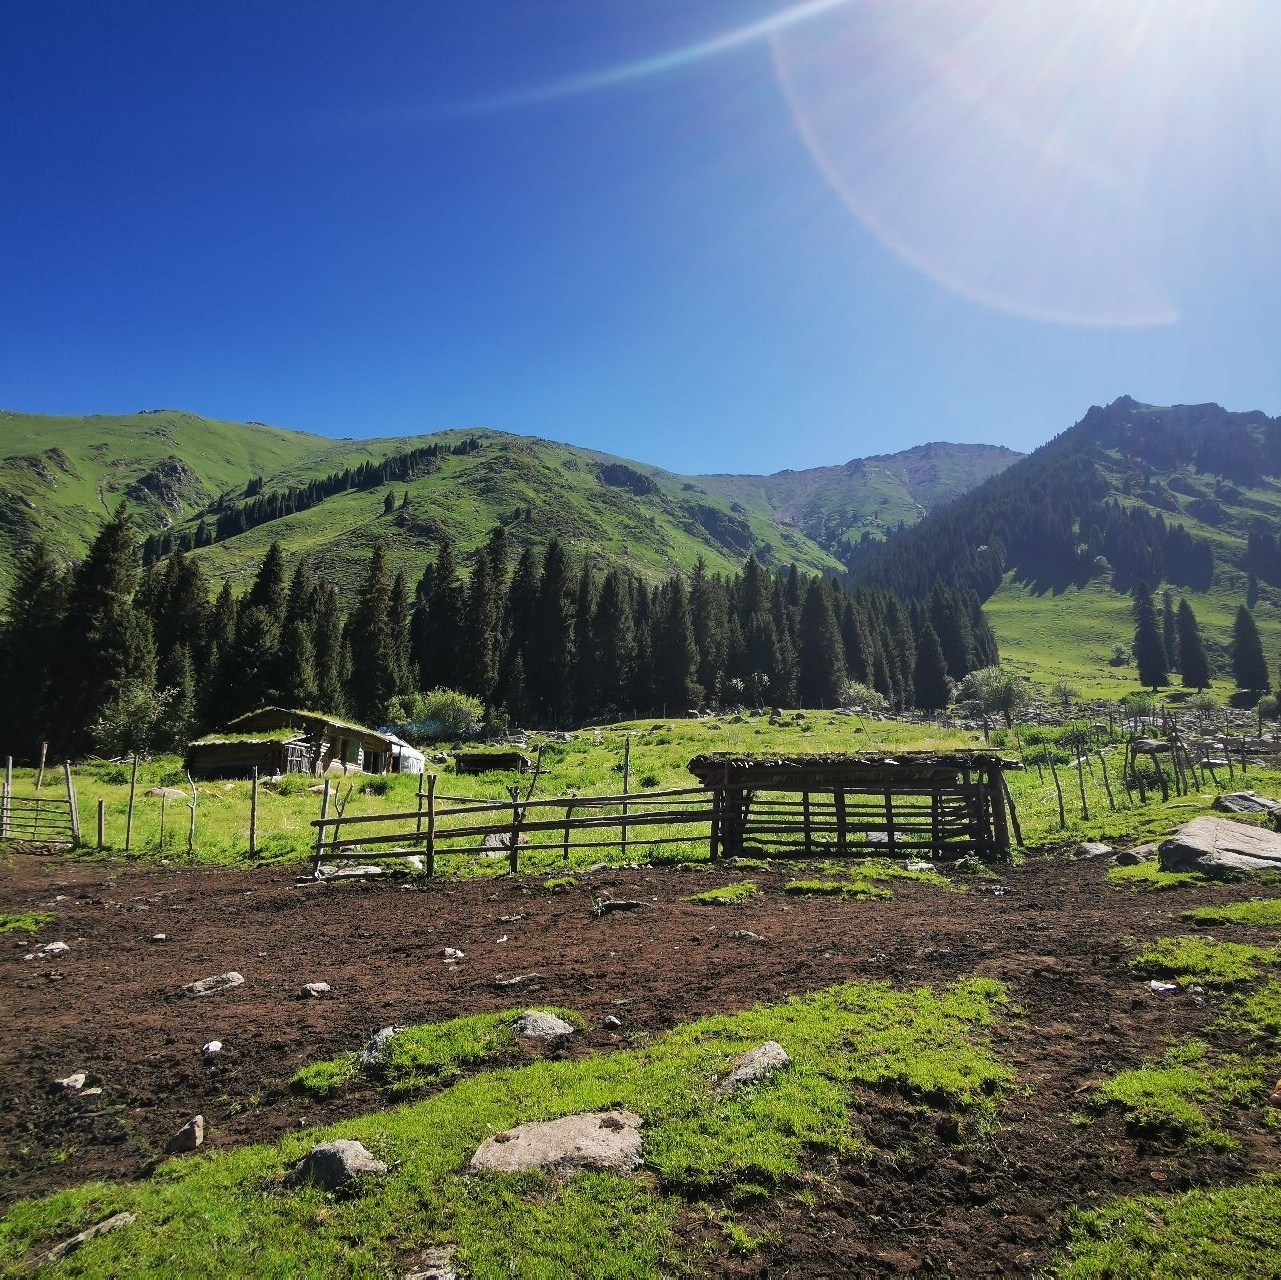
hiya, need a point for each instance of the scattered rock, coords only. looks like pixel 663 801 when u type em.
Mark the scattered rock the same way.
pixel 1160 988
pixel 160 937
pixel 746 935
pixel 1129 858
pixel 921 866
pixel 433 1264
pixel 519 980
pixel 542 1026
pixel 67 1247
pixel 316 989
pixel 595 1139
pixel 375 1051
pixel 212 1049
pixel 1092 849
pixel 498 844
pixel 72 1083
pixel 1274 1098
pixel 612 1022
pixel 54 949
pixel 1218 846
pixel 167 793
pixel 188 1138
pixel 607 905
pixel 453 955
pixel 1247 802
pixel 210 986
pixel 332 1165
pixel 755 1065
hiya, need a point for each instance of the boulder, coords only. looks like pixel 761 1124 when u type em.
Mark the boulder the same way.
pixel 755 1065
pixel 1247 802
pixel 373 1054
pixel 72 1083
pixel 1092 849
pixel 332 1165
pixel 188 1138
pixel 54 949
pixel 1129 858
pixel 167 793
pixel 1218 847
pixel 210 986
pixel 316 990
pixel 60 1251
pixel 595 1139
pixel 542 1026
pixel 433 1264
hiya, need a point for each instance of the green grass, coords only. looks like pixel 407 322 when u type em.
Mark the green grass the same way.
pixel 426 1055
pixel 726 896
pixel 1147 877
pixel 1203 961
pixel 25 922
pixel 1170 1098
pixel 1264 914
pixel 835 889
pixel 229 1212
pixel 1256 1012
pixel 1230 1232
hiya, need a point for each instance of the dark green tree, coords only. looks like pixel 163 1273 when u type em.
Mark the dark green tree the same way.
pixel 1169 631
pixel 301 686
pixel 549 661
pixel 822 655
pixel 440 636
pixel 930 674
pixel 1149 648
pixel 613 646
pixel 371 684
pixel 675 655
pixel 29 634
pixel 1249 669
pixel 1194 667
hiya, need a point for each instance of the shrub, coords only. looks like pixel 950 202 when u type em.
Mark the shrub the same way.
pixel 856 694
pixel 438 715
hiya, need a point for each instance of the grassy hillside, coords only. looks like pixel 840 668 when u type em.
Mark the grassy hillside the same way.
pixel 60 476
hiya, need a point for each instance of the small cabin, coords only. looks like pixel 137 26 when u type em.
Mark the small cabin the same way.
pixel 491 762
pixel 278 740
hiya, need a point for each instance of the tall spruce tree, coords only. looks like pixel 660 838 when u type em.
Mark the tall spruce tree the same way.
pixel 613 646
pixel 1249 669
pixel 371 684
pixel 551 649
pixel 1149 648
pixel 675 655
pixel 930 675
pixel 822 655
pixel 440 658
pixel 29 634
pixel 1169 631
pixel 1193 665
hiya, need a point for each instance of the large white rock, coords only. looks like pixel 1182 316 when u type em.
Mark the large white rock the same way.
pixel 114 1223
pixel 593 1139
pixel 332 1165
pixel 1218 846
pixel 210 986
pixel 755 1065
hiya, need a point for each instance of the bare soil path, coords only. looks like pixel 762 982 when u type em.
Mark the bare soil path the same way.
pixel 913 1204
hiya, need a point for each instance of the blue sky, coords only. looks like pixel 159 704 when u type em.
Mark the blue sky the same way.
pixel 711 235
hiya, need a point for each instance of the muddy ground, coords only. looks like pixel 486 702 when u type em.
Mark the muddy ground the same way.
pixel 913 1204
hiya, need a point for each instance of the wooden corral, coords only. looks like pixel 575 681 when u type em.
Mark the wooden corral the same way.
pixel 491 762
pixel 942 805
pixel 238 755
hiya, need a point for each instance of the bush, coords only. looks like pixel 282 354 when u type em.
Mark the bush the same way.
pixel 435 716
pixel 863 696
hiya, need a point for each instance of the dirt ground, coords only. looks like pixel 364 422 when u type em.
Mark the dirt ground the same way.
pixel 914 1204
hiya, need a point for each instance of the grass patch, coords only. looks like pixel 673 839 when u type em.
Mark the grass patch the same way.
pixel 884 870
pixel 1203 961
pixel 1168 1098
pixel 1259 915
pixel 1232 1231
pixel 1257 1013
pixel 230 1210
pixel 560 884
pixel 726 896
pixel 1147 877
pixel 835 889
pixel 421 1056
pixel 25 921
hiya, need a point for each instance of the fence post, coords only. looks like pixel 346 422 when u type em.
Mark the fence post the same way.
pixel 320 831
pixel 418 822
pixel 627 777
pixel 1107 786
pixel 1080 781
pixel 44 751
pixel 253 814
pixel 164 800
pixel 564 852
pixel 71 802
pixel 8 792
pixel 191 826
pixel 102 824
pixel 1054 773
pixel 431 824
pixel 133 782
pixel 512 854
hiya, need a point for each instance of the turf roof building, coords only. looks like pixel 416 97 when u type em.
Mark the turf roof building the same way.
pixel 278 740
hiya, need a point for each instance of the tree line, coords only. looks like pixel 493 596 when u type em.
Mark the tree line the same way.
pixel 111 656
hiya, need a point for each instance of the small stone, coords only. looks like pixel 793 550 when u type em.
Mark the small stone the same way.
pixel 608 905
pixel 58 1252
pixel 54 949
pixel 212 1049
pixel 316 989
pixel 543 1026
pixel 921 866
pixel 373 1054
pixel 518 980
pixel 160 937
pixel 453 955
pixel 1092 849
pixel 72 1083
pixel 188 1138
pixel 612 1022
pixel 1274 1098
pixel 332 1165
pixel 746 935
pixel 210 986
pixel 433 1264
pixel 755 1065
pixel 1157 987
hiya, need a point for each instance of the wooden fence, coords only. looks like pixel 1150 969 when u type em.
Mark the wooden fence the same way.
pixel 39 819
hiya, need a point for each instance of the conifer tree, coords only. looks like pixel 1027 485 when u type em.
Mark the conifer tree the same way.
pixel 675 655
pixel 613 646
pixel 1149 648
pixel 1194 667
pixel 550 656
pixel 269 590
pixel 331 654
pixel 398 621
pixel 300 683
pixel 371 684
pixel 822 655
pixel 585 691
pixel 1249 669
pixel 29 635
pixel 176 686
pixel 930 674
pixel 709 616
pixel 1169 631
pixel 440 659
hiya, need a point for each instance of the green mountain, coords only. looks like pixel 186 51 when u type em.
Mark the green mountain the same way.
pixel 232 489
pixel 1186 497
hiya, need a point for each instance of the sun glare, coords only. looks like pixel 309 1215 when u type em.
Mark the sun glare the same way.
pixel 1049 159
